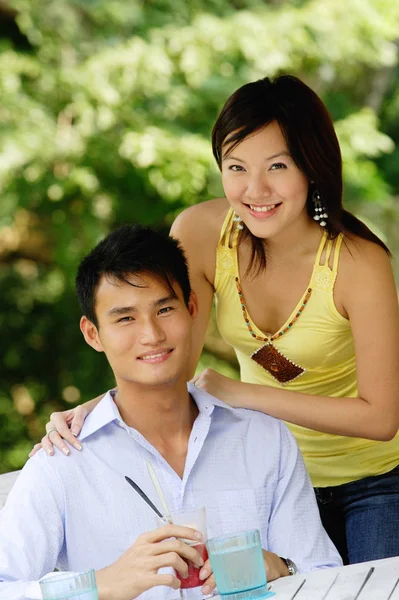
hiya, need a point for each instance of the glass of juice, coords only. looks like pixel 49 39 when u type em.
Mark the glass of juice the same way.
pixel 196 519
pixel 238 567
pixel 69 586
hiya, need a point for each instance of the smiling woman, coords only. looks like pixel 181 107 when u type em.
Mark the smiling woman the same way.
pixel 303 290
pixel 261 180
pixel 306 297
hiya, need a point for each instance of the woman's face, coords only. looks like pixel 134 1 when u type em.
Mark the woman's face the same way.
pixel 264 185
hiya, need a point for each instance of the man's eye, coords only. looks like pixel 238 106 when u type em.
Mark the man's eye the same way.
pixel 125 319
pixel 276 166
pixel 165 310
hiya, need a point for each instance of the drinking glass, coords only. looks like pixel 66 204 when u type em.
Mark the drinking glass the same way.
pixel 70 586
pixel 196 519
pixel 238 567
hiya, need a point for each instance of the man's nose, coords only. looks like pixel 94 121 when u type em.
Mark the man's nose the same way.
pixel 152 333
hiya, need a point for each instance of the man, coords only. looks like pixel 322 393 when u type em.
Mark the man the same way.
pixel 79 513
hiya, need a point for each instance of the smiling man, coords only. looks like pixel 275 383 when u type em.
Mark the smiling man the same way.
pixel 79 513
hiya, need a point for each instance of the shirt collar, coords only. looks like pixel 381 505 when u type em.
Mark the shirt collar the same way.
pixel 206 402
pixel 107 411
pixel 104 413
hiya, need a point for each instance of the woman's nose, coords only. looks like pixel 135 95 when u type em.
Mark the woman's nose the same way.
pixel 257 188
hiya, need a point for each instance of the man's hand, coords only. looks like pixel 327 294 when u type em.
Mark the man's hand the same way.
pixel 208 578
pixel 274 566
pixel 136 571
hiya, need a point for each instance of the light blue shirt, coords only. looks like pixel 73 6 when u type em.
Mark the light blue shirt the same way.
pixel 78 512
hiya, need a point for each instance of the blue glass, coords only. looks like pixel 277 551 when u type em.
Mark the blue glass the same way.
pixel 238 567
pixel 70 586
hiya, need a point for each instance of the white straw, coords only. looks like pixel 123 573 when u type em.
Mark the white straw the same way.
pixel 159 491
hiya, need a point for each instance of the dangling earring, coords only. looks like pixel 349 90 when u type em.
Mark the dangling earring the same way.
pixel 320 211
pixel 237 219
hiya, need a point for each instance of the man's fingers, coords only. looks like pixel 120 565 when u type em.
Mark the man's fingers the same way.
pixel 166 579
pixel 35 449
pixel 209 585
pixel 178 546
pixel 172 559
pixel 79 415
pixel 208 578
pixel 58 421
pixel 170 531
pixel 206 570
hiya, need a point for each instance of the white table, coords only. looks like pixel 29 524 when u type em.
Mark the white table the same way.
pixel 349 580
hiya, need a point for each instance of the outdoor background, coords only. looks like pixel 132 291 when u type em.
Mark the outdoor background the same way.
pixel 106 109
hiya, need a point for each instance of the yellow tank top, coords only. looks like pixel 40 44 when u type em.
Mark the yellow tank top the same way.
pixel 320 341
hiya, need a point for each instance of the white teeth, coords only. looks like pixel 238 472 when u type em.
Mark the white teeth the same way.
pixel 262 208
pixel 152 356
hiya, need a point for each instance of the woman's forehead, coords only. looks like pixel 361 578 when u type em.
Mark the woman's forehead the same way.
pixel 270 136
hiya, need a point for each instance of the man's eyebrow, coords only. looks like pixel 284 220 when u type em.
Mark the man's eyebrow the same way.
pixel 231 157
pixel 164 300
pixel 126 310
pixel 121 310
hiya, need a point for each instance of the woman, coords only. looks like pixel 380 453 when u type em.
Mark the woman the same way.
pixel 306 296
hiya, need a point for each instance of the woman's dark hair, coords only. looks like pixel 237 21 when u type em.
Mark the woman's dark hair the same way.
pixel 311 140
pixel 131 250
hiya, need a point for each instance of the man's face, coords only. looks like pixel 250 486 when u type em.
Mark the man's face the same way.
pixel 144 331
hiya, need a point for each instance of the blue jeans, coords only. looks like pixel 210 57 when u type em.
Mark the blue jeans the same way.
pixel 362 517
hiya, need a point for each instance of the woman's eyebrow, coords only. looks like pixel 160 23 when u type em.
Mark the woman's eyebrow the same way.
pixel 282 153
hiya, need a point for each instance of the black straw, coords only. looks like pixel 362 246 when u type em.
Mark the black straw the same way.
pixel 144 496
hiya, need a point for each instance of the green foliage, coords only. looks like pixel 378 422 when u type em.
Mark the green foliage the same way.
pixel 106 113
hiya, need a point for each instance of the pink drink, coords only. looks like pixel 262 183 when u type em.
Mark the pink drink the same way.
pixel 192 580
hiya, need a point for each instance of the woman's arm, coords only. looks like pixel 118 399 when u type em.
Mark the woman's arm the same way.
pixel 367 290
pixel 197 229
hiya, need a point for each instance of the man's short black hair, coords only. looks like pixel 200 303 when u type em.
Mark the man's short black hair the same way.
pixel 131 250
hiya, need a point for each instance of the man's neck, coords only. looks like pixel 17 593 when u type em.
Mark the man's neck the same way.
pixel 164 415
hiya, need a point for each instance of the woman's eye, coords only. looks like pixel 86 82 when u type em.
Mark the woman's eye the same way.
pixel 236 168
pixel 276 166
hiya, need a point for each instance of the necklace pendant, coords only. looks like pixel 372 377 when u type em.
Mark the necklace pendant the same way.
pixel 280 368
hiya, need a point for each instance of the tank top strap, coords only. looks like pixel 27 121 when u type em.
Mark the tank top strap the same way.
pixel 328 247
pixel 228 233
pixel 337 251
pixel 226 253
pixel 321 248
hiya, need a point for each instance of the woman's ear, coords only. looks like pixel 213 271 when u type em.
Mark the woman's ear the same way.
pixel 90 334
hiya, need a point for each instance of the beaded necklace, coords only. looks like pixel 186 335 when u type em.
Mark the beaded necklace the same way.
pixel 281 368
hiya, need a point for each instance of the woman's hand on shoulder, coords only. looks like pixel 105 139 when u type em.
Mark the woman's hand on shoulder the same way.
pixel 63 427
pixel 228 390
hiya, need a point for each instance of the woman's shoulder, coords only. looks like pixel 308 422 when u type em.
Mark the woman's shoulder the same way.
pixel 198 229
pixel 364 255
pixel 203 220
pixel 362 264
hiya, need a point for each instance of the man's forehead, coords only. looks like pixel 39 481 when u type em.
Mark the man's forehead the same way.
pixel 137 285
